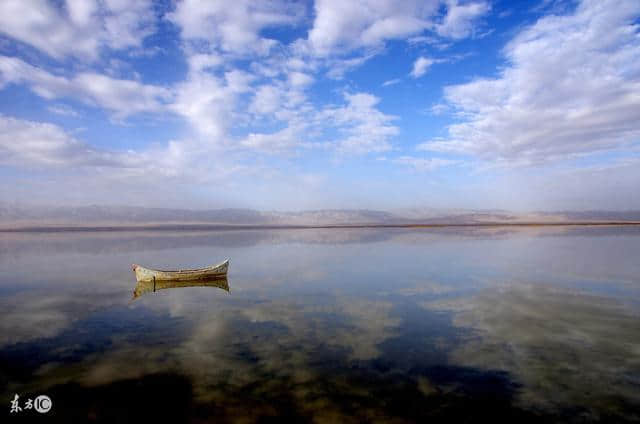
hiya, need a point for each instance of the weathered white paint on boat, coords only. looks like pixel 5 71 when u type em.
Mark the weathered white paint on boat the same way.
pixel 146 274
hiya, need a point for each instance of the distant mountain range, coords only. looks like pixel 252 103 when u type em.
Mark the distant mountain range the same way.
pixel 12 216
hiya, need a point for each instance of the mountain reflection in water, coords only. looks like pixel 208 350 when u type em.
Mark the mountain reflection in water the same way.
pixel 529 325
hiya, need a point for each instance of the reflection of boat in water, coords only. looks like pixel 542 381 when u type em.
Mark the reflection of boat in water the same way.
pixel 150 275
pixel 144 287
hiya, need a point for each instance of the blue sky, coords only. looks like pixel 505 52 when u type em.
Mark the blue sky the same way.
pixel 531 105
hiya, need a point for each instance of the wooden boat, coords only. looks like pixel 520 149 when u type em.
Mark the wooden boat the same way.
pixel 150 275
pixel 144 287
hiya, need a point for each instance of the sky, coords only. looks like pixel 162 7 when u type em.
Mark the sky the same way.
pixel 325 104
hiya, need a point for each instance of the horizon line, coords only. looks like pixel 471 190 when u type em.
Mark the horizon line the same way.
pixel 219 227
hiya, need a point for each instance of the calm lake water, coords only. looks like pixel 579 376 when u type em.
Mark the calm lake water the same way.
pixel 335 326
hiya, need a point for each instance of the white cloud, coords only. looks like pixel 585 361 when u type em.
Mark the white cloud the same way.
pixel 200 61
pixel 421 66
pixel 423 164
pixel 37 143
pixel 299 79
pixel 345 34
pixel 280 101
pixel 570 88
pixel 79 28
pixel 43 145
pixel 366 129
pixel 342 26
pixel 122 97
pixel 266 100
pixel 360 127
pixel 214 104
pixel 347 25
pixel 460 18
pixel 238 81
pixel 215 36
pixel 281 141
pixel 234 28
pixel 206 103
pixel 126 23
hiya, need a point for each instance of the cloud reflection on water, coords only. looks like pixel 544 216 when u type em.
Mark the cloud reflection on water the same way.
pixel 567 348
pixel 336 325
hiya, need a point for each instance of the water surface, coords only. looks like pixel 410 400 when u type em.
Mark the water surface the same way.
pixel 358 325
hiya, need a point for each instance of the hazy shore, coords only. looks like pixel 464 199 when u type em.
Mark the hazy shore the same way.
pixel 126 218
pixel 213 227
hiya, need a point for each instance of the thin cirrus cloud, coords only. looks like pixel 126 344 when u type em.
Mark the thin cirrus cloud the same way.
pixel 394 81
pixel 63 110
pixel 424 164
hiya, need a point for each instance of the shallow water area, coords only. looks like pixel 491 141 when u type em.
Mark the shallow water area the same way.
pixel 534 324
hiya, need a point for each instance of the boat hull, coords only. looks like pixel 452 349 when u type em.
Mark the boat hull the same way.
pixel 149 275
